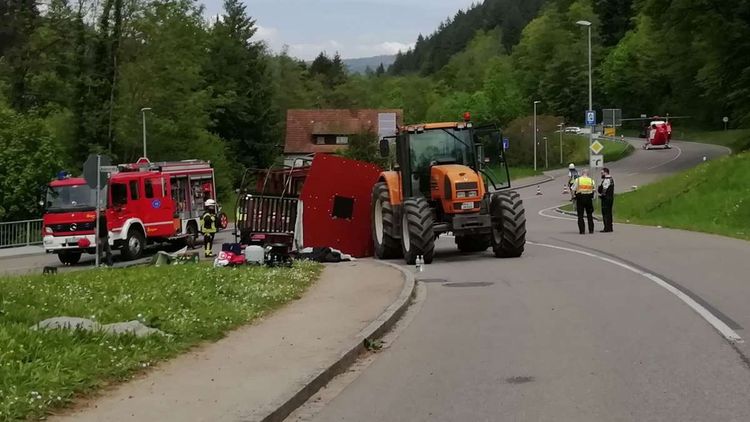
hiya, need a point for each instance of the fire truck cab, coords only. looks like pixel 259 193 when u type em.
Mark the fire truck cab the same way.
pixel 145 203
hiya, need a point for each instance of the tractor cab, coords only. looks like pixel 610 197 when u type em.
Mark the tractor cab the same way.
pixel 440 183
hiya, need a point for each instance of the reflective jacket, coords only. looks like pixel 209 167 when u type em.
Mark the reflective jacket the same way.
pixel 208 223
pixel 584 186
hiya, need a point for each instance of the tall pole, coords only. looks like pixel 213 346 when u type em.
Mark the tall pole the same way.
pixel 143 114
pixel 562 127
pixel 98 207
pixel 546 156
pixel 588 24
pixel 535 103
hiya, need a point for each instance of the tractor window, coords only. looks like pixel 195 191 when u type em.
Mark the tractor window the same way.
pixel 439 146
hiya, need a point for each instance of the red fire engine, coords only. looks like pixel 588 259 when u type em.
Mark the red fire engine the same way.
pixel 145 203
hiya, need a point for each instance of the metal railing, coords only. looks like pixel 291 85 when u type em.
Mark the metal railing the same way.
pixel 20 233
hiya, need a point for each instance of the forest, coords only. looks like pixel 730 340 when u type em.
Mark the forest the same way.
pixel 75 75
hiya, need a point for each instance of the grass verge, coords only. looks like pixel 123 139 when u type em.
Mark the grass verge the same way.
pixel 711 198
pixel 42 370
pixel 737 140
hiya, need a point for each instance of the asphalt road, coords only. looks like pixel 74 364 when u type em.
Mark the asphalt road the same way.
pixel 643 324
pixel 34 263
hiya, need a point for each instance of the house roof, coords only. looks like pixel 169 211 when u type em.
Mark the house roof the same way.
pixel 303 125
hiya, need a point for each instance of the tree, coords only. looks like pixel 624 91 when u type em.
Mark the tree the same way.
pixel 380 71
pixel 363 146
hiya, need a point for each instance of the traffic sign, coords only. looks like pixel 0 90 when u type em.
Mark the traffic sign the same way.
pixel 506 144
pixel 108 169
pixel 90 170
pixel 597 161
pixel 590 118
pixel 725 119
pixel 596 147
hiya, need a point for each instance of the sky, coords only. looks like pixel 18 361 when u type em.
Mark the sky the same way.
pixel 354 28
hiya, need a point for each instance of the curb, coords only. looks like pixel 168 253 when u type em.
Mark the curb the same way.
pixel 375 329
pixel 572 214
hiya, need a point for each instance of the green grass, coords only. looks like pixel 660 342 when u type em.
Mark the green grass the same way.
pixel 738 140
pixel 42 370
pixel 713 197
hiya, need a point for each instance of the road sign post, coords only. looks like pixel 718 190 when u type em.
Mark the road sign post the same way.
pixel 93 169
pixel 597 161
pixel 506 144
pixel 726 121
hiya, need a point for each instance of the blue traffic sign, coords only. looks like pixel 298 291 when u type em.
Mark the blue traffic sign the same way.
pixel 590 118
pixel 506 144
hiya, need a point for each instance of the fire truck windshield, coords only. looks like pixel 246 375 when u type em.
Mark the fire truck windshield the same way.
pixel 73 197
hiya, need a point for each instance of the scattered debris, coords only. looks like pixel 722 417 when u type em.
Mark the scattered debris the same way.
pixel 373 345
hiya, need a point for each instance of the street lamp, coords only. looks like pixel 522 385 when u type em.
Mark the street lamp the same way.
pixel 562 128
pixel 535 103
pixel 546 157
pixel 143 116
pixel 587 24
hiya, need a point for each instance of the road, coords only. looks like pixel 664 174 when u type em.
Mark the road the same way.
pixel 33 263
pixel 643 324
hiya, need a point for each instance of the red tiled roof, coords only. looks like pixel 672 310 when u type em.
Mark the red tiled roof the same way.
pixel 302 125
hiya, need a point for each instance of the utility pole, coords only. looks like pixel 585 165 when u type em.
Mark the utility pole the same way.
pixel 535 103
pixel 587 24
pixel 143 116
pixel 562 128
pixel 546 157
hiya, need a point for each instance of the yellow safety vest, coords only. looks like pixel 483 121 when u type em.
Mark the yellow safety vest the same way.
pixel 585 185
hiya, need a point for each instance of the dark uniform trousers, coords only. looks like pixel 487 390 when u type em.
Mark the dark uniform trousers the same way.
pixel 585 202
pixel 607 204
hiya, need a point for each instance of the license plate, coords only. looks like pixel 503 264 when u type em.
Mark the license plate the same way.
pixel 71 240
pixel 467 206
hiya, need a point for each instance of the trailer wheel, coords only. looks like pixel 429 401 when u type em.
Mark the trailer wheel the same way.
pixel 508 225
pixel 384 224
pixel 69 258
pixel 134 244
pixel 473 243
pixel 417 235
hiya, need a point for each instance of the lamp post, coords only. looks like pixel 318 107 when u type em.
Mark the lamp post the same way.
pixel 562 128
pixel 546 156
pixel 587 24
pixel 535 103
pixel 143 116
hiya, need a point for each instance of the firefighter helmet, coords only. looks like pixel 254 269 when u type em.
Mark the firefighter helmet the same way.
pixel 210 203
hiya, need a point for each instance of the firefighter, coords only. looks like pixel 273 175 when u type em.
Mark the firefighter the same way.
pixel 583 188
pixel 208 226
pixel 606 192
pixel 572 176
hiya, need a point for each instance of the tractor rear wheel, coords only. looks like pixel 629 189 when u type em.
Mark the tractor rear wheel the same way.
pixel 473 243
pixel 384 224
pixel 417 235
pixel 508 224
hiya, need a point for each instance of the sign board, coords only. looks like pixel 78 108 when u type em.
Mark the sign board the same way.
pixel 609 131
pixel 387 124
pixel 725 119
pixel 596 147
pixel 590 118
pixel 506 144
pixel 90 171
pixel 612 117
pixel 108 169
pixel 597 161
pixel 643 116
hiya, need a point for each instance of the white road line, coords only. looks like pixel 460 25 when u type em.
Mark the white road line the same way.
pixel 541 213
pixel 720 326
pixel 679 153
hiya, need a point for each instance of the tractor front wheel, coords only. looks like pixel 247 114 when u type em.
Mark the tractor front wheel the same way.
pixel 417 234
pixel 508 224
pixel 384 224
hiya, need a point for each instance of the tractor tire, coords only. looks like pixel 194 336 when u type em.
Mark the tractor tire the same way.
pixel 134 244
pixel 69 258
pixel 384 226
pixel 469 244
pixel 508 224
pixel 417 235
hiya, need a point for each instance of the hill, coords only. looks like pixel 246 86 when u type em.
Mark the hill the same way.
pixel 360 65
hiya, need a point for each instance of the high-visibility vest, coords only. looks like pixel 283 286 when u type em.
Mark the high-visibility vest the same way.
pixel 208 223
pixel 585 185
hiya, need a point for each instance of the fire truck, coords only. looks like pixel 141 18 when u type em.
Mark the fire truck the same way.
pixel 145 203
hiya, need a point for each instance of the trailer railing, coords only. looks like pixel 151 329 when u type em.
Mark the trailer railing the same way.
pixel 20 233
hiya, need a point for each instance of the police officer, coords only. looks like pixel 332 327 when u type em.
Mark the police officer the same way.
pixel 607 195
pixel 583 188
pixel 208 226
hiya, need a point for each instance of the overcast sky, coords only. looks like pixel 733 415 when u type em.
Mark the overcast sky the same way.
pixel 354 28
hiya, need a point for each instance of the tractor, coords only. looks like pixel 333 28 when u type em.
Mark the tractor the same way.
pixel 438 184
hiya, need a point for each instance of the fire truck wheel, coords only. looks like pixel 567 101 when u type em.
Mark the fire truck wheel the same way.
pixel 384 224
pixel 417 234
pixel 134 244
pixel 69 258
pixel 473 243
pixel 508 224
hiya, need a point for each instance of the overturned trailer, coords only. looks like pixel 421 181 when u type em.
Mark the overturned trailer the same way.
pixel 323 201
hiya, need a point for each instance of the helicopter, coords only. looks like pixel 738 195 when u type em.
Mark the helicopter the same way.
pixel 656 130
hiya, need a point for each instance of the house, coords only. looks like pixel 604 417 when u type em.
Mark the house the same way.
pixel 326 131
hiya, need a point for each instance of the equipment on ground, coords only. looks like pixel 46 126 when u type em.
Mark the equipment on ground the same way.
pixel 145 203
pixel 439 184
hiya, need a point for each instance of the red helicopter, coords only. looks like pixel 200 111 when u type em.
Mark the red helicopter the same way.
pixel 657 131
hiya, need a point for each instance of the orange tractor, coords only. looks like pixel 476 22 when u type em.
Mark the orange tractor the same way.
pixel 439 184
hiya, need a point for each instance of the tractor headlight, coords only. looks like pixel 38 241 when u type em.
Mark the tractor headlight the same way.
pixel 473 194
pixel 460 194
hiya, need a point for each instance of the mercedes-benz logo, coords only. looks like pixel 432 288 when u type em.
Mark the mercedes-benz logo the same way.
pixel 73 227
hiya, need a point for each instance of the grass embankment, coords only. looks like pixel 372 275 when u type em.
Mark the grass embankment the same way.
pixel 737 140
pixel 710 198
pixel 41 370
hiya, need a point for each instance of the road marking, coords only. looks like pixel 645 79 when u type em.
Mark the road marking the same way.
pixel 715 322
pixel 679 153
pixel 541 213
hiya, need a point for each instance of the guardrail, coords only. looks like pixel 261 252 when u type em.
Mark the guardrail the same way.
pixel 20 233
